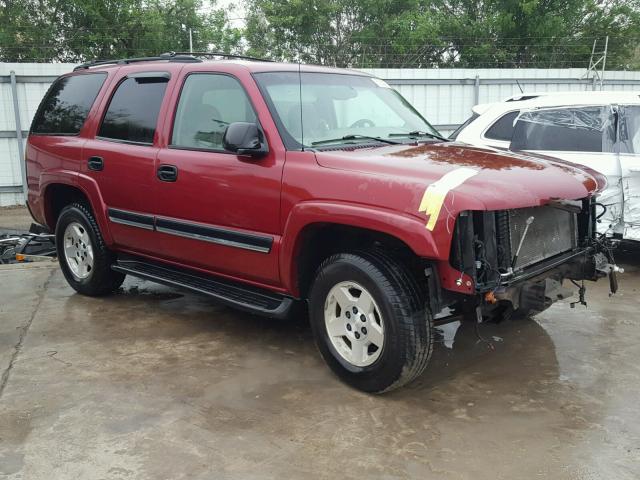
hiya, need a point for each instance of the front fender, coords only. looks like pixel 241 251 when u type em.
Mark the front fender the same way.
pixel 406 228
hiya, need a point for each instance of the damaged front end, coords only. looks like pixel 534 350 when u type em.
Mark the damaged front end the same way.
pixel 518 259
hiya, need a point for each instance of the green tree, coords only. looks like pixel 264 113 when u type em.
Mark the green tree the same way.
pixel 332 32
pixel 357 33
pixel 444 33
pixel 77 30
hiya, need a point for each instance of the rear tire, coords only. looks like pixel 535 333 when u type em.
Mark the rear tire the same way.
pixel 84 258
pixel 374 292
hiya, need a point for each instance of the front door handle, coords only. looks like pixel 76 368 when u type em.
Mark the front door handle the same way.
pixel 95 163
pixel 167 173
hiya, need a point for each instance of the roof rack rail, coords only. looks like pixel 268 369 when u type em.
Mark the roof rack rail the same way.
pixel 224 55
pixel 170 56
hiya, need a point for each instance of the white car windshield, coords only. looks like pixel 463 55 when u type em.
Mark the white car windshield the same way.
pixel 313 109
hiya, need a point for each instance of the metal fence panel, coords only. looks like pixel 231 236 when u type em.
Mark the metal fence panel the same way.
pixel 31 83
pixel 443 96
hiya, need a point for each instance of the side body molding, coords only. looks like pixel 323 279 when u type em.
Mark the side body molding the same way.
pixel 409 229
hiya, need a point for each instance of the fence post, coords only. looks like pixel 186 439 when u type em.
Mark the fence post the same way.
pixel 476 91
pixel 16 113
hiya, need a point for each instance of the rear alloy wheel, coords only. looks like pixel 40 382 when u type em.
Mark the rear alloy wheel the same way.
pixel 370 320
pixel 78 251
pixel 84 258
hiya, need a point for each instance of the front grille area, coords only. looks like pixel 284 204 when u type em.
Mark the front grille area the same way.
pixel 485 242
pixel 552 232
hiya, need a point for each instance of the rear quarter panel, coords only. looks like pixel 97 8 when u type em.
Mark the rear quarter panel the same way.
pixel 57 159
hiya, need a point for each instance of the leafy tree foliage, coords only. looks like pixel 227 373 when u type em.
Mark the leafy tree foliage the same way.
pixel 428 33
pixel 360 33
pixel 75 30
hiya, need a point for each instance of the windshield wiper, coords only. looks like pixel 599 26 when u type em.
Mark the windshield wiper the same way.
pixel 419 133
pixel 355 137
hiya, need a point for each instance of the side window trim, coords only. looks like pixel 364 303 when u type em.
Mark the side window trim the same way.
pixel 472 118
pixel 170 144
pixel 120 140
pixel 114 89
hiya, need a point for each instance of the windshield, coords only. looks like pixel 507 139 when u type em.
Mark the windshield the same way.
pixel 338 108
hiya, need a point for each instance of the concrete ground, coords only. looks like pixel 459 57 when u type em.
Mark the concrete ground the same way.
pixel 14 218
pixel 154 384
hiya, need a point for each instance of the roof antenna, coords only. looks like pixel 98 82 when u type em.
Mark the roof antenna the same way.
pixel 520 87
pixel 300 94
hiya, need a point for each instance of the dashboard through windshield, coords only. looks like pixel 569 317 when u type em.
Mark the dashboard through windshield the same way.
pixel 325 109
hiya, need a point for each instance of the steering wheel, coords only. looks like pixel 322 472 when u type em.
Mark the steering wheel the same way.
pixel 362 123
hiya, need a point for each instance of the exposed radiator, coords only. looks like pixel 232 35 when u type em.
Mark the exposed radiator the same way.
pixel 552 232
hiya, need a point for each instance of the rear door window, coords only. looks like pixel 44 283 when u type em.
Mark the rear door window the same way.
pixel 582 129
pixel 502 129
pixel 66 105
pixel 133 111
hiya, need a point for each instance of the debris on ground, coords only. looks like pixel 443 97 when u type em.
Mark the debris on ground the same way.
pixel 18 246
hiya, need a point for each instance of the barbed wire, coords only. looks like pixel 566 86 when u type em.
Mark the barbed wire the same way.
pixel 370 36
pixel 467 53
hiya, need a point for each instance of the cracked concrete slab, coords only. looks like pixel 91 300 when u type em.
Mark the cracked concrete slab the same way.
pixel 153 383
pixel 17 311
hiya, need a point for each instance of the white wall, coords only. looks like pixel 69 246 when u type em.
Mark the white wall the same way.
pixel 443 96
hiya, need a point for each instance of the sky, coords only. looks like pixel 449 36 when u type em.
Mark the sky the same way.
pixel 235 9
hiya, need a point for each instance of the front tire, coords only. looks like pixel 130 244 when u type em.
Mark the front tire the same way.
pixel 370 320
pixel 84 258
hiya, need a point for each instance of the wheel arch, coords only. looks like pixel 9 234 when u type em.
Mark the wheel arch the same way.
pixel 60 191
pixel 315 230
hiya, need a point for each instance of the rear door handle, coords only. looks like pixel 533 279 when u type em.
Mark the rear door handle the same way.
pixel 95 163
pixel 167 173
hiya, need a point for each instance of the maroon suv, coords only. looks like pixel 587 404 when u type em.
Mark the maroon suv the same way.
pixel 266 185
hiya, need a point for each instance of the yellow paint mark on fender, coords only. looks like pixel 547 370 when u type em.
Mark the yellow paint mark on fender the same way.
pixel 435 193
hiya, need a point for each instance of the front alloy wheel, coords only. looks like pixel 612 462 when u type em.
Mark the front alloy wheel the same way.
pixel 370 320
pixel 354 324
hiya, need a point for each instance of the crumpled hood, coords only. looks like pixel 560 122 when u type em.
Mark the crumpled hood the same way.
pixel 495 178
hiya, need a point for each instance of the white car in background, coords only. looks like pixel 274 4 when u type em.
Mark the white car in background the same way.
pixel 600 130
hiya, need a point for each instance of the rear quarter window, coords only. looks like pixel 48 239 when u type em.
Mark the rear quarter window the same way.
pixel 66 105
pixel 503 128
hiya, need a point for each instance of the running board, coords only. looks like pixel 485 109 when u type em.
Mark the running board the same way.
pixel 248 298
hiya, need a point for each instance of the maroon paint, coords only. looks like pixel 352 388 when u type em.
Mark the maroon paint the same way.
pixel 284 193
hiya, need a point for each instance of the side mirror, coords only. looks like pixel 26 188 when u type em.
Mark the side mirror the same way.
pixel 244 139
